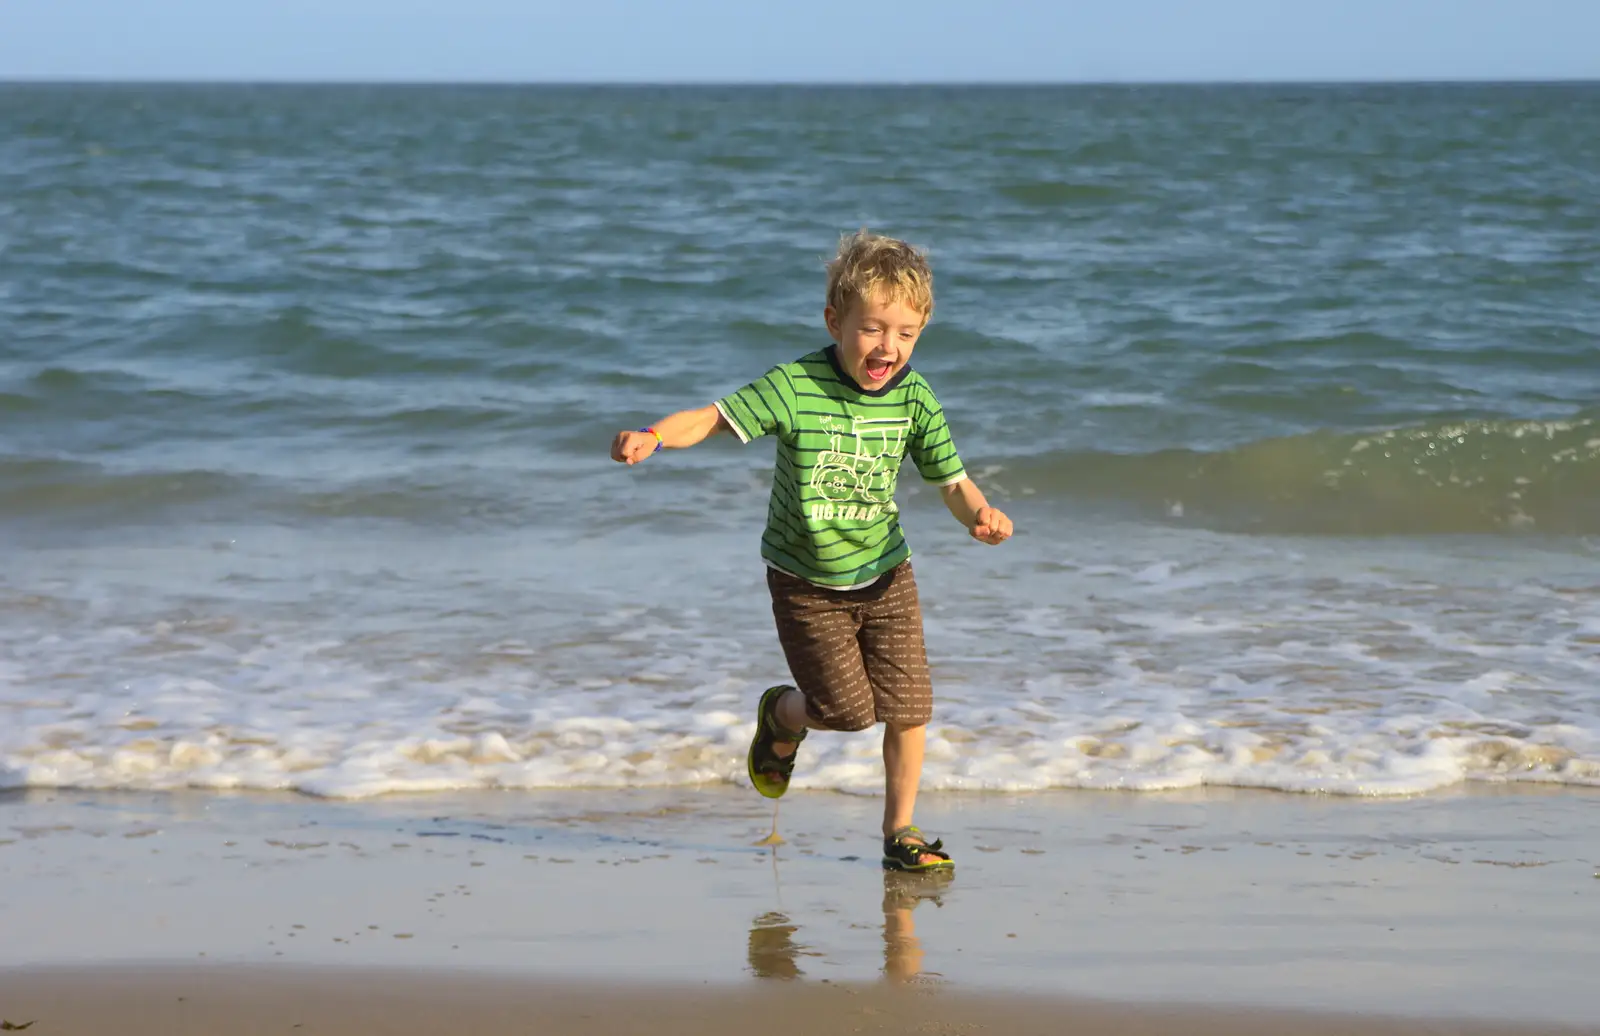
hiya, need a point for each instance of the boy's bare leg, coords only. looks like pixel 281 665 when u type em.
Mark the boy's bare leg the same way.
pixel 902 761
pixel 903 749
pixel 791 713
pixel 902 772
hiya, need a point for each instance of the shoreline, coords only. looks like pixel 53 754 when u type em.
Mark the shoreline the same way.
pixel 1471 907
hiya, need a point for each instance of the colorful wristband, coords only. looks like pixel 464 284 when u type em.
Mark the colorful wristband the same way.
pixel 659 441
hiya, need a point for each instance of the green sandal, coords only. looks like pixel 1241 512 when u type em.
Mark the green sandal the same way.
pixel 768 770
pixel 903 851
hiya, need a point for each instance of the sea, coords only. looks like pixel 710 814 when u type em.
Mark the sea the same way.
pixel 306 396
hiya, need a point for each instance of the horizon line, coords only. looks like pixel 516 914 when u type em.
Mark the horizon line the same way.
pixel 72 80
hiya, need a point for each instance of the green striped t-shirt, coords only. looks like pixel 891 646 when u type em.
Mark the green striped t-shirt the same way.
pixel 832 519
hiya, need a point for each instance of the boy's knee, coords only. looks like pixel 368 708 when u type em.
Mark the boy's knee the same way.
pixel 904 716
pixel 851 722
pixel 846 713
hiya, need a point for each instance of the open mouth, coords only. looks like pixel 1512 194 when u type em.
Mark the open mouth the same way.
pixel 878 370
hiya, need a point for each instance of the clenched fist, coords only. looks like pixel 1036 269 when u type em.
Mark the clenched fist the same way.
pixel 633 447
pixel 990 525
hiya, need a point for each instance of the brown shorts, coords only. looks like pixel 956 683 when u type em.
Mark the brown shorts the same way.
pixel 857 655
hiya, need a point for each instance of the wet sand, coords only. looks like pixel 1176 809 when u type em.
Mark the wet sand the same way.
pixel 495 910
pixel 244 1002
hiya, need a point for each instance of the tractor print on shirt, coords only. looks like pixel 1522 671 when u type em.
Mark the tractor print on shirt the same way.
pixel 866 473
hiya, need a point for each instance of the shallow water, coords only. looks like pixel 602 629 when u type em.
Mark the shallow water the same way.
pixel 305 394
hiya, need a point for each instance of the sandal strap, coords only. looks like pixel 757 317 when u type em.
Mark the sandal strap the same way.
pixel 768 761
pixel 898 844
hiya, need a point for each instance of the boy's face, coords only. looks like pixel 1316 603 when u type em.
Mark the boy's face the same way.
pixel 875 338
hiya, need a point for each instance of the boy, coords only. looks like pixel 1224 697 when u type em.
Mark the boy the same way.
pixel 842 591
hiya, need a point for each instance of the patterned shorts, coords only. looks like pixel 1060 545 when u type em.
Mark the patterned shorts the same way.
pixel 857 655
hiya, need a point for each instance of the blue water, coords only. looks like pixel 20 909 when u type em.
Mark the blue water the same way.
pixel 305 394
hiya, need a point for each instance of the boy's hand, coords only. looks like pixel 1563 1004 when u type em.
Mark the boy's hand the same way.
pixel 990 525
pixel 632 447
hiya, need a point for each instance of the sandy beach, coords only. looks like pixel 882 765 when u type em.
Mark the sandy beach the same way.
pixel 188 1000
pixel 640 911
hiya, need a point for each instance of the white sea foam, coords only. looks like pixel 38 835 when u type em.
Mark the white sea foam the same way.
pixel 1109 399
pixel 1168 663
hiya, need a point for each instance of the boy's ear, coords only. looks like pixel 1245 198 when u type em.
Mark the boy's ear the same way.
pixel 830 317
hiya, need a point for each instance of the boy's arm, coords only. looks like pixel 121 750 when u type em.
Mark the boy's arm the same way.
pixel 678 431
pixel 966 501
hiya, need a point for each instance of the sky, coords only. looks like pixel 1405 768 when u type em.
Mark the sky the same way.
pixel 858 41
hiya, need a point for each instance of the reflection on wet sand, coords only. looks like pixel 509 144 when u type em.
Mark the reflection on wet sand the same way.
pixel 903 893
pixel 774 952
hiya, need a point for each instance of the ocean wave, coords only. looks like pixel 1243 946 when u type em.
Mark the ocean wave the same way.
pixel 1349 344
pixel 1047 193
pixel 1156 753
pixel 81 493
pixel 56 489
pixel 296 341
pixel 1457 476
pixel 1134 659
pixel 11 402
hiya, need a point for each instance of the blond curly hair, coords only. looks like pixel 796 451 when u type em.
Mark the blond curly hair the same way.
pixel 877 267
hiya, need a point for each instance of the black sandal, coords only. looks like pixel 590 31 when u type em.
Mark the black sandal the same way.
pixel 901 853
pixel 768 770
